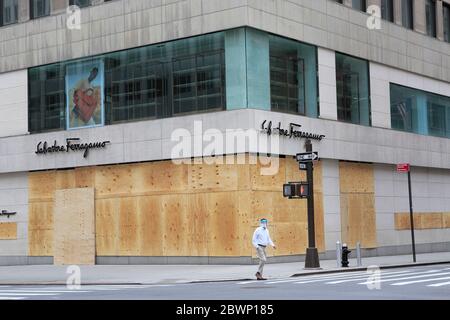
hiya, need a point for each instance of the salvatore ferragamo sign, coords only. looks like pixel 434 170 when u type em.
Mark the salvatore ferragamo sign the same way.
pixel 291 132
pixel 72 145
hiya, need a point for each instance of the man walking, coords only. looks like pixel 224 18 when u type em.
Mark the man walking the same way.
pixel 261 239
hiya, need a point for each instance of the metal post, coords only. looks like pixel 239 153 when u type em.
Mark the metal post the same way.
pixel 358 254
pixel 411 216
pixel 338 254
pixel 312 255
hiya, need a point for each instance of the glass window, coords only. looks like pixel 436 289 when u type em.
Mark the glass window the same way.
pixel 446 9
pixel 156 81
pixel 430 6
pixel 387 10
pixel 359 5
pixel 352 84
pixel 9 12
pixel 39 8
pixel 46 98
pixel 80 3
pixel 420 112
pixel 407 14
pixel 293 76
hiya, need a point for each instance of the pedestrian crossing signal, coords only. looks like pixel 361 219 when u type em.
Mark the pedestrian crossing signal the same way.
pixel 296 190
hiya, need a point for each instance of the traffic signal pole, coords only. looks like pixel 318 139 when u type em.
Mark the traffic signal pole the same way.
pixel 312 255
pixel 411 216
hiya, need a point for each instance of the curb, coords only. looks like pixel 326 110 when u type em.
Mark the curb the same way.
pixel 389 266
pixel 341 270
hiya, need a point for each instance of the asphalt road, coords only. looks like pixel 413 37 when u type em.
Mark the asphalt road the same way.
pixel 425 282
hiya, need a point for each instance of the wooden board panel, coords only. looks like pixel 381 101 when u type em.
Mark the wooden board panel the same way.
pixel 41 185
pixel 197 232
pixel 161 176
pixel 358 220
pixel 128 228
pixel 40 229
pixel 268 182
pixel 8 230
pixel 65 179
pixel 290 238
pixel 114 180
pixel 223 224
pixel 319 222
pixel 173 208
pixel 356 177
pixel 85 177
pixel 74 227
pixel 107 226
pixel 215 177
pixel 422 220
pixel 446 220
pixel 150 226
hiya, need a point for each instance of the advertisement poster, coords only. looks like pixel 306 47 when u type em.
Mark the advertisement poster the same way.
pixel 84 92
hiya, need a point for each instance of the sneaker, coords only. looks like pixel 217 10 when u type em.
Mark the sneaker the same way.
pixel 258 276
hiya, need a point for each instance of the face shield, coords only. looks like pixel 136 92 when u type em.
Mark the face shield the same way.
pixel 264 223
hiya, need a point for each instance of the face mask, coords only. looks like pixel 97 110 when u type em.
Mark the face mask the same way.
pixel 264 224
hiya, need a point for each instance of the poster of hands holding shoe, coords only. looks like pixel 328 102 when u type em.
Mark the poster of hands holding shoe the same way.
pixel 84 92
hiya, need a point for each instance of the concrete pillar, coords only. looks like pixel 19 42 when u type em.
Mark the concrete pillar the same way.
pixel 398 12
pixel 58 6
pixel 24 11
pixel 439 20
pixel 348 3
pixel 420 21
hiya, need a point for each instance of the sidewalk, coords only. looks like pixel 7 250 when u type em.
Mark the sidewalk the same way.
pixel 169 274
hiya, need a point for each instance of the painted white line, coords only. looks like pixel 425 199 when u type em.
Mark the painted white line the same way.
pixel 323 276
pixel 12 298
pixel 357 278
pixel 394 274
pixel 28 294
pixel 43 291
pixel 439 284
pixel 407 278
pixel 418 281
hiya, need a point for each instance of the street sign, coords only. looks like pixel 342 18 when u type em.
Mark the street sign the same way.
pixel 403 167
pixel 302 166
pixel 307 156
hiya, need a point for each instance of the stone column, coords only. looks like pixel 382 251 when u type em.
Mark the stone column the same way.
pixel 24 11
pixel 398 12
pixel 58 6
pixel 348 3
pixel 439 20
pixel 420 21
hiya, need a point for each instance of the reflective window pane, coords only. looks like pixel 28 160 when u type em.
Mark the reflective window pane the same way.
pixel 352 84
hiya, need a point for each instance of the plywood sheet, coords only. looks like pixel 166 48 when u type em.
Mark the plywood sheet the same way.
pixel 150 226
pixel 112 181
pixel 223 224
pixel 422 220
pixel 290 238
pixel 214 177
pixel 197 231
pixel 41 185
pixel 356 177
pixel 40 229
pixel 128 227
pixel 358 220
pixel 107 213
pixel 273 182
pixel 74 227
pixel 173 208
pixel 8 230
pixel 160 176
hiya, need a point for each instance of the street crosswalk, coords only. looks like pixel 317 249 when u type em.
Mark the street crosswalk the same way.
pixel 50 292
pixel 432 278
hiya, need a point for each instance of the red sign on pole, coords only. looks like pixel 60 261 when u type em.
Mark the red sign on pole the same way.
pixel 403 167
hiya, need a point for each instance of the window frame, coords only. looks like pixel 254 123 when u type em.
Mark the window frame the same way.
pixel 408 15
pixel 430 18
pixel 32 16
pixel 2 12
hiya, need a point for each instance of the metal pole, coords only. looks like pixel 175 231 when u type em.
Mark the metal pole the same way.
pixel 358 254
pixel 312 255
pixel 338 254
pixel 411 217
